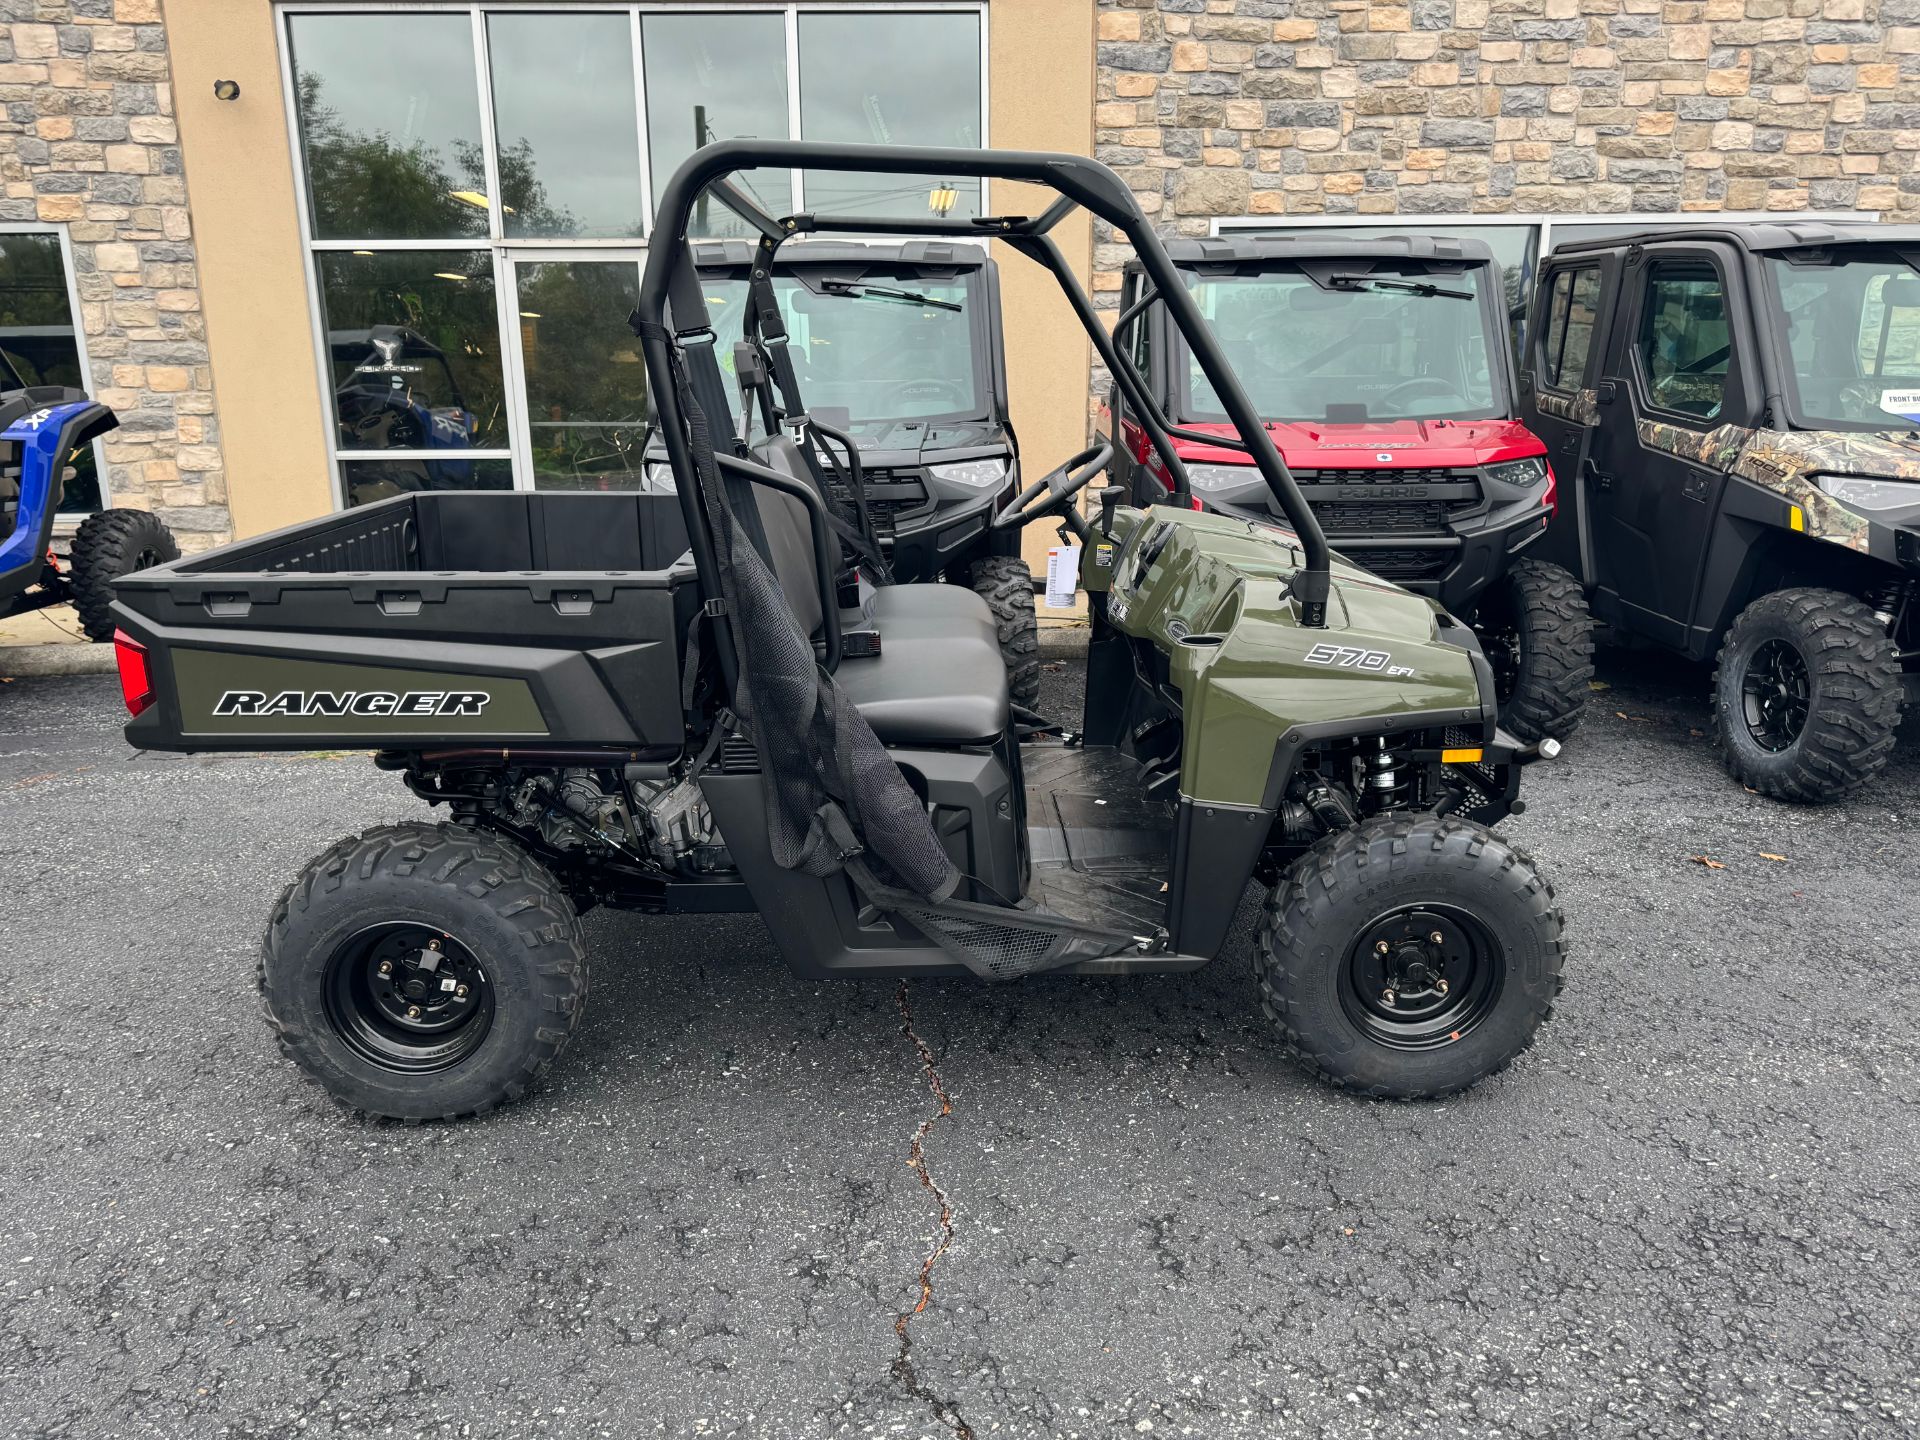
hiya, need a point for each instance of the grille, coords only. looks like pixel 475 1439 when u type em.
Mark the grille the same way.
pixel 890 495
pixel 1378 480
pixel 1405 564
pixel 1392 517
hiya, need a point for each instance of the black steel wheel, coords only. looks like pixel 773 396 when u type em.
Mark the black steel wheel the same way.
pixel 408 998
pixel 1775 692
pixel 424 971
pixel 1421 976
pixel 1807 695
pixel 1409 957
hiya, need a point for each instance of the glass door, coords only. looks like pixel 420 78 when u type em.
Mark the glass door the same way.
pixel 579 386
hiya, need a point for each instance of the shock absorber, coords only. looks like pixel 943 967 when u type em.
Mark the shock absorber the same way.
pixel 1388 784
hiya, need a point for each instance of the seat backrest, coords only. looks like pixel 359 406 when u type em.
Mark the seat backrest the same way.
pixel 789 533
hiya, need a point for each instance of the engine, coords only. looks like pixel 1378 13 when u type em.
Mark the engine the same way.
pixel 645 817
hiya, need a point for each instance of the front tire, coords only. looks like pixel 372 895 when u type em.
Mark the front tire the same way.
pixel 108 545
pixel 1409 958
pixel 1538 633
pixel 1006 584
pixel 423 971
pixel 1806 696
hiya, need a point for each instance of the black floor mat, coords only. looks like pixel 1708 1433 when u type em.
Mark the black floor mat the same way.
pixel 1101 850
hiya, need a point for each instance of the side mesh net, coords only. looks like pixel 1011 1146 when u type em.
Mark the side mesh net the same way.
pixel 832 790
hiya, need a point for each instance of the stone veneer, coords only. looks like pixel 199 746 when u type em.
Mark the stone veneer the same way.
pixel 1322 107
pixel 88 141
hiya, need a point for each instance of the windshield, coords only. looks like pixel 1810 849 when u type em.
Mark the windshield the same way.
pixel 882 347
pixel 1853 341
pixel 1367 349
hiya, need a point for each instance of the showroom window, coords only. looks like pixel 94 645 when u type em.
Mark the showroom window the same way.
pixel 477 188
pixel 40 341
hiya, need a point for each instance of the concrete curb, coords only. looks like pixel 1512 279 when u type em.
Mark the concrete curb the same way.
pixel 1063 639
pixel 22 660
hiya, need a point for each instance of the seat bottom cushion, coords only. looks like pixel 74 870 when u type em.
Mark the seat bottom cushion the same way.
pixel 939 678
pixel 929 610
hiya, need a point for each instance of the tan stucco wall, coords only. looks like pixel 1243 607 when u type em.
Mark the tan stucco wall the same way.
pixel 246 225
pixel 1040 79
pixel 241 188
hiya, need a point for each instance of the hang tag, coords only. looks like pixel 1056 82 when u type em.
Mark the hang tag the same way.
pixel 1063 576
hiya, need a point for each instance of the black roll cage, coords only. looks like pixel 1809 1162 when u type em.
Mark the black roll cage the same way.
pixel 672 314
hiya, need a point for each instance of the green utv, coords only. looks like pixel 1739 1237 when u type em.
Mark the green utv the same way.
pixel 659 702
pixel 1734 412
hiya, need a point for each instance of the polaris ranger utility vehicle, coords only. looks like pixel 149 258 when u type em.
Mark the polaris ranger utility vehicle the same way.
pixel 652 701
pixel 899 348
pixel 41 429
pixel 1735 411
pixel 1383 371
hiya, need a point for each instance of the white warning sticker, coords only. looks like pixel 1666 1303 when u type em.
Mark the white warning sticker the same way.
pixel 1901 402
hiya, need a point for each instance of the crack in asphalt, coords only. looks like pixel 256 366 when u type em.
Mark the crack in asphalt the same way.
pixel 947 1412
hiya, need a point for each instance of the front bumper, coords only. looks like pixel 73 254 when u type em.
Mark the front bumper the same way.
pixel 1452 566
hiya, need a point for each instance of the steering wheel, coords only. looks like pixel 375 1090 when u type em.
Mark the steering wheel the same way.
pixel 950 393
pixel 1420 385
pixel 1053 491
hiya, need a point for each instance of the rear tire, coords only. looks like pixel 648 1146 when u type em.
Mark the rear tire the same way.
pixel 1006 584
pixel 423 971
pixel 1535 627
pixel 1806 696
pixel 108 545
pixel 1461 1009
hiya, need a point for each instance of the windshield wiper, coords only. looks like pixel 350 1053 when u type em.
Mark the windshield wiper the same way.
pixel 853 291
pixel 1410 287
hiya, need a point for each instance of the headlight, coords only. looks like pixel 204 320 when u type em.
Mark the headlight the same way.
pixel 1221 477
pixel 1525 473
pixel 1858 494
pixel 978 473
pixel 659 477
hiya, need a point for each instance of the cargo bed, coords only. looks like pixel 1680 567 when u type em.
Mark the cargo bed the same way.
pixel 488 616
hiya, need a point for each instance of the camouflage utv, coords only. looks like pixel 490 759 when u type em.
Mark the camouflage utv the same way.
pixel 1735 415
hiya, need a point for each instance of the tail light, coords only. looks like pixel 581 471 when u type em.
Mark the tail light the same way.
pixel 1550 497
pixel 136 685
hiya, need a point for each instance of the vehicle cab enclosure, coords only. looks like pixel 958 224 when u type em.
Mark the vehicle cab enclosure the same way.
pixel 1731 410
pixel 899 347
pixel 1383 370
pixel 1734 412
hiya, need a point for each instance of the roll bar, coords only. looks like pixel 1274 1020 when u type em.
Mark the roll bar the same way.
pixel 673 310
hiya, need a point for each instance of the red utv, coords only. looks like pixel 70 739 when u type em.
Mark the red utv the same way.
pixel 1384 371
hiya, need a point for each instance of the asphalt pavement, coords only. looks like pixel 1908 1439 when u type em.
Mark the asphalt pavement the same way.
pixel 1689 1210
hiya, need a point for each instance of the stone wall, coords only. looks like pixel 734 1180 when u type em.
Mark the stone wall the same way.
pixel 88 141
pixel 1311 107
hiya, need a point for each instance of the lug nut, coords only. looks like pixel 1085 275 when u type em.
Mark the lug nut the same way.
pixel 413 1012
pixel 1388 998
pixel 386 967
pixel 1437 938
pixel 435 944
pixel 1441 985
pixel 460 991
pixel 1381 948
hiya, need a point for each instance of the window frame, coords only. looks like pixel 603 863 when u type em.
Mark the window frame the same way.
pixel 42 227
pixel 1734 406
pixel 505 250
pixel 1572 270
